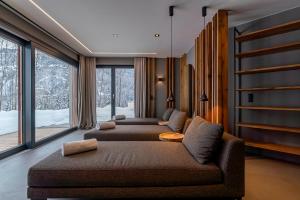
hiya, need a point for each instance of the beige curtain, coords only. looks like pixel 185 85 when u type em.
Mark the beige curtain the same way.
pixel 87 92
pixel 74 97
pixel 170 73
pixel 144 83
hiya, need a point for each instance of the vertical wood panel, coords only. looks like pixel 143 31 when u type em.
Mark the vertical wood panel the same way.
pixel 208 75
pixel 170 73
pixel 184 84
pixel 201 72
pixel 197 78
pixel 167 80
pixel 223 63
pixel 214 70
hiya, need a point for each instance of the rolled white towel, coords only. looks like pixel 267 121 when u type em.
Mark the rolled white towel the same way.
pixel 106 125
pixel 75 147
pixel 119 117
pixel 163 123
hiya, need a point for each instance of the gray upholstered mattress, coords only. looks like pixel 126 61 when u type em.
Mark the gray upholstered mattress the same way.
pixel 138 121
pixel 124 164
pixel 128 133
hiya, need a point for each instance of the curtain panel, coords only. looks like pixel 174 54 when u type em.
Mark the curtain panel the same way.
pixel 87 92
pixel 170 73
pixel 144 84
pixel 74 97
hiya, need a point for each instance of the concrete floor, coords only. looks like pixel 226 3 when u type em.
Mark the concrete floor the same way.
pixel 266 179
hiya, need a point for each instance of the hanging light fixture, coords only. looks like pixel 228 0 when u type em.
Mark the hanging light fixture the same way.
pixel 203 96
pixel 171 97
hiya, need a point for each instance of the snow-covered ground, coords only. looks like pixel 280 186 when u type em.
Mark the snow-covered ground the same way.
pixel 9 119
pixel 44 118
pixel 104 114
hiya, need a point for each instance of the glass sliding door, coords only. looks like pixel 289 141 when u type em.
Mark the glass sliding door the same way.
pixel 114 91
pixel 124 91
pixel 103 94
pixel 10 94
pixel 53 93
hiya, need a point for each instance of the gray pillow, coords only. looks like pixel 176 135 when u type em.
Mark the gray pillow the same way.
pixel 177 120
pixel 196 121
pixel 202 141
pixel 167 114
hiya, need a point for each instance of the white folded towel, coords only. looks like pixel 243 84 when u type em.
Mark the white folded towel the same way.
pixel 106 125
pixel 75 147
pixel 163 123
pixel 119 117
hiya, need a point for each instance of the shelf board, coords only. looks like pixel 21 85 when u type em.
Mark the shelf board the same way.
pixel 270 88
pixel 279 29
pixel 274 147
pixel 268 108
pixel 270 50
pixel 269 127
pixel 270 69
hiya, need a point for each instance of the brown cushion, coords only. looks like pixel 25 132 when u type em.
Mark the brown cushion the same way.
pixel 138 121
pixel 186 124
pixel 167 114
pixel 177 120
pixel 125 164
pixel 128 133
pixel 202 139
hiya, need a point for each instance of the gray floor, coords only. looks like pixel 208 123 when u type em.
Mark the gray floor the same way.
pixel 266 179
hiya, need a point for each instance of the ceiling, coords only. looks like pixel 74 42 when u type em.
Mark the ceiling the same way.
pixel 88 26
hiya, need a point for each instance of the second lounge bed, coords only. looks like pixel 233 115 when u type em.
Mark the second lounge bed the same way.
pixel 139 132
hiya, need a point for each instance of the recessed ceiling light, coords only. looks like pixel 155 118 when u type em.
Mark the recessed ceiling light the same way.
pixel 156 35
pixel 115 35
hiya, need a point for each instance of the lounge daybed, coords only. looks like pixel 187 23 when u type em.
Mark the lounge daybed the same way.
pixel 138 121
pixel 145 121
pixel 128 133
pixel 144 169
pixel 139 132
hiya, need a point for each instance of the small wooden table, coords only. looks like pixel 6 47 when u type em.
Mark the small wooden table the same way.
pixel 171 137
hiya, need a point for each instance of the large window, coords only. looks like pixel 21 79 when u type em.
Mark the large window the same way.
pixel 10 93
pixel 124 91
pixel 114 91
pixel 103 94
pixel 53 86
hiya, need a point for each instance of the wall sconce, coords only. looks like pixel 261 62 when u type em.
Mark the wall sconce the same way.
pixel 160 78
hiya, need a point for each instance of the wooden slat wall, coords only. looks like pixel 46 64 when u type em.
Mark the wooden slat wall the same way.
pixel 197 77
pixel 211 70
pixel 208 72
pixel 170 72
pixel 184 84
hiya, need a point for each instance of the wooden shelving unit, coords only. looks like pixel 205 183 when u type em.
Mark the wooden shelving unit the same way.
pixel 275 147
pixel 269 127
pixel 239 72
pixel 268 108
pixel 271 50
pixel 269 69
pixel 269 88
pixel 283 28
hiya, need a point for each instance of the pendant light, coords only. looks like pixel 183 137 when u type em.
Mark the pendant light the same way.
pixel 171 97
pixel 203 96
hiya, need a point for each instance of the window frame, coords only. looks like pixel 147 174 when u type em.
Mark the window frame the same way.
pixel 21 43
pixel 27 77
pixel 113 80
pixel 61 57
